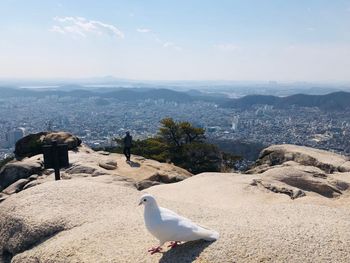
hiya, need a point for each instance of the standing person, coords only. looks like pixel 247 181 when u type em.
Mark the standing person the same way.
pixel 127 146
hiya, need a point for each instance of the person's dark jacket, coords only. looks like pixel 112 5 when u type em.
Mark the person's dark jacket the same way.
pixel 128 141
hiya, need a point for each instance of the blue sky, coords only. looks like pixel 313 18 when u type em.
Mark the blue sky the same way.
pixel 255 40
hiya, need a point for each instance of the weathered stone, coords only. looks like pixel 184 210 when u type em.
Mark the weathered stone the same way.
pixel 89 163
pixel 108 164
pixel 166 178
pixel 14 171
pixel 345 167
pixel 30 219
pixel 139 158
pixel 31 184
pixel 290 168
pixel 297 181
pixel 103 153
pixel 340 185
pixel 3 197
pixel 33 177
pixel 278 154
pixel 81 169
pixel 258 169
pixel 97 220
pixel 99 173
pixel 145 184
pixel 63 137
pixel 32 144
pixel 15 187
pixel 290 191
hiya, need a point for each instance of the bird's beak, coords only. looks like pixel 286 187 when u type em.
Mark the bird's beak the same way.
pixel 140 203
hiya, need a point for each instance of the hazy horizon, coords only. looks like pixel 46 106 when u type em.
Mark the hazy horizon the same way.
pixel 250 41
pixel 112 79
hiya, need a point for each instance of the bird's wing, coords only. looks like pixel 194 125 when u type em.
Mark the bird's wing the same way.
pixel 178 228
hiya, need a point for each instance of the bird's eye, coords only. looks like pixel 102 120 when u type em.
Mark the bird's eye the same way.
pixel 144 200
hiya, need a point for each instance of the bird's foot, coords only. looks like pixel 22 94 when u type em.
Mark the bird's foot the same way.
pixel 174 244
pixel 154 250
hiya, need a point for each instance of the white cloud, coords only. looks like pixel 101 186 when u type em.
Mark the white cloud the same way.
pixel 157 39
pixel 171 45
pixel 143 30
pixel 227 47
pixel 168 44
pixel 163 43
pixel 82 27
pixel 57 29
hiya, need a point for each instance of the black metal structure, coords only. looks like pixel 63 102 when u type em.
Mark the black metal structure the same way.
pixel 56 157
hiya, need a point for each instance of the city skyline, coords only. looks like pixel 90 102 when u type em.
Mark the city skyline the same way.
pixel 176 40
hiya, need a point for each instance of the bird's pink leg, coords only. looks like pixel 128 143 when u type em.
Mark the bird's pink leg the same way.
pixel 154 250
pixel 174 244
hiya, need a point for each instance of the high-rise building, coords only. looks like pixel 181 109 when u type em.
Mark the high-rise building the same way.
pixel 235 121
pixel 13 136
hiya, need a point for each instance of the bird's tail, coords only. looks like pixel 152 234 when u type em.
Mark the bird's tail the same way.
pixel 208 235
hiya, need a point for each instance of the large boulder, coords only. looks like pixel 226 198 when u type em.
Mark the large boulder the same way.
pixel 63 137
pixel 143 172
pixel 145 184
pixel 84 162
pixel 79 220
pixel 31 144
pixel 3 197
pixel 108 164
pixel 298 171
pixel 278 154
pixel 32 184
pixel 298 181
pixel 95 220
pixel 13 171
pixel 81 169
pixel 15 187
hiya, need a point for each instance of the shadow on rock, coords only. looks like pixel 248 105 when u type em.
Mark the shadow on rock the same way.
pixel 134 164
pixel 187 252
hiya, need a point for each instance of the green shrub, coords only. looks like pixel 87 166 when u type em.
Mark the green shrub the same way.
pixel 182 144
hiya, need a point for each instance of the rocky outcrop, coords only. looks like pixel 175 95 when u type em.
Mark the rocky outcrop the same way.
pixel 91 215
pixel 16 170
pixel 31 184
pixel 31 145
pixel 298 181
pixel 81 169
pixel 96 219
pixel 15 187
pixel 298 171
pixel 84 162
pixel 280 189
pixel 3 198
pixel 288 205
pixel 108 164
pixel 278 154
pixel 144 184
pixel 159 178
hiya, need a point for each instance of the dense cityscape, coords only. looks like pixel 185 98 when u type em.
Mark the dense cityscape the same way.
pixel 97 121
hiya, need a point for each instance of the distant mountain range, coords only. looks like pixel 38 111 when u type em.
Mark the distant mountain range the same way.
pixel 123 94
pixel 332 101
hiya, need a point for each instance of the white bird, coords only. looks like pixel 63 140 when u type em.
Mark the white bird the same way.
pixel 166 225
